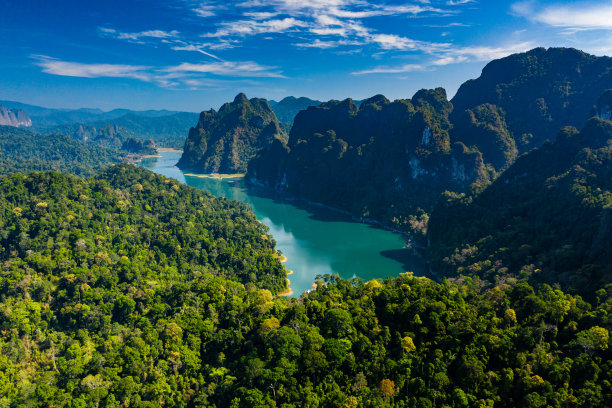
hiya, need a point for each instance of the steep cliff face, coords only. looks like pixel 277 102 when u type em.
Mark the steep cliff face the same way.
pixel 384 160
pixel 14 117
pixel 539 92
pixel 225 141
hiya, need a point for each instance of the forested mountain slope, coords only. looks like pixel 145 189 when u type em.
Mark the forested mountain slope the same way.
pixel 546 218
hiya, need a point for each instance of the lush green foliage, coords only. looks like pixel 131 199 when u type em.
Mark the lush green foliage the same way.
pixel 547 217
pixel 198 340
pixel 156 229
pixel 225 141
pixel 484 127
pixel 23 150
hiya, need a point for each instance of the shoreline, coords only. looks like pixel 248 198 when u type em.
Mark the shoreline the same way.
pixel 135 158
pixel 289 291
pixel 216 176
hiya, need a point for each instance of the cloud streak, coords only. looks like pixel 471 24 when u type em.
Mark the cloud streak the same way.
pixel 76 69
pixel 138 36
pixel 452 55
pixel 579 16
pixel 326 23
pixel 169 76
pixel 228 68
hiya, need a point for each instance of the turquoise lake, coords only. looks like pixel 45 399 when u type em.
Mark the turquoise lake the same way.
pixel 315 240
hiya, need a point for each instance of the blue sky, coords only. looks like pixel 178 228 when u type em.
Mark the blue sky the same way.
pixel 194 55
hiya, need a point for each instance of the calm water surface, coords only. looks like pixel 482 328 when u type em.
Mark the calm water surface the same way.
pixel 315 240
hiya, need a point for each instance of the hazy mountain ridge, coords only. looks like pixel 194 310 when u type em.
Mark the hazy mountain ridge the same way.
pixel 287 108
pixel 166 128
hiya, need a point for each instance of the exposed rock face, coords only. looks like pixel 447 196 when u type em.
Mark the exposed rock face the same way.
pixel 14 117
pixel 225 141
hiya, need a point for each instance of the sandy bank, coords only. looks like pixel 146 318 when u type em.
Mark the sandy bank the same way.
pixel 216 176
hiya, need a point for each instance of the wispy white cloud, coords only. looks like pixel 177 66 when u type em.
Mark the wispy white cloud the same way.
pixel 76 69
pixel 458 2
pixel 579 16
pixel 321 18
pixel 196 48
pixel 262 15
pixel 341 8
pixel 159 34
pixel 204 11
pixel 228 68
pixel 452 55
pixel 252 27
pixel 449 25
pixel 317 43
pixel 487 53
pixel 392 70
pixel 184 74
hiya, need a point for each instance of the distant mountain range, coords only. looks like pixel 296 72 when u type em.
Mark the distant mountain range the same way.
pixel 48 117
pixel 164 127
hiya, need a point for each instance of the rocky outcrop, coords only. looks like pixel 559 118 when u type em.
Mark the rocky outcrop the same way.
pixel 14 117
pixel 225 141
